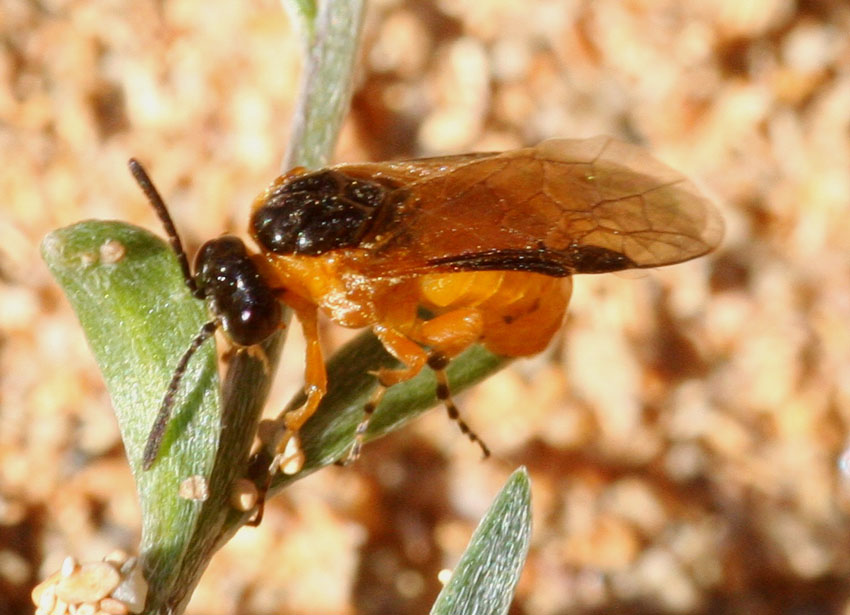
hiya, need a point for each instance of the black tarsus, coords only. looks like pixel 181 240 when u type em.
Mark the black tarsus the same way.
pixel 438 362
pixel 161 210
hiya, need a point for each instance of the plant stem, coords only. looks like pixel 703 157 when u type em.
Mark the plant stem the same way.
pixel 326 83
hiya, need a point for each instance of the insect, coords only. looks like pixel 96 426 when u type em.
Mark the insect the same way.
pixel 437 254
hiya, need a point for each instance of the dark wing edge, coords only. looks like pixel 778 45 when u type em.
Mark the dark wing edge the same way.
pixel 583 259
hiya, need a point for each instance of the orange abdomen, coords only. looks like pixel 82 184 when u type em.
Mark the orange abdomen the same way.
pixel 521 310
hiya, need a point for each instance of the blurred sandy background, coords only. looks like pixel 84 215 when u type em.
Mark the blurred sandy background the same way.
pixel 684 435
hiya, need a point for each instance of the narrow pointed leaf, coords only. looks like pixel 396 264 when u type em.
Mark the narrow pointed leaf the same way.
pixel 484 579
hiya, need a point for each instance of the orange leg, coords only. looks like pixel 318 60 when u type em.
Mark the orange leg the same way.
pixel 282 435
pixel 448 335
pixel 453 332
pixel 405 350
pixel 402 348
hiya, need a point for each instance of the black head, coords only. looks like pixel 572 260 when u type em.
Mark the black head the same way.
pixel 239 298
pixel 313 213
pixel 236 292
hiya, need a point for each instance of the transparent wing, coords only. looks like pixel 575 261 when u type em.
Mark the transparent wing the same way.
pixel 563 207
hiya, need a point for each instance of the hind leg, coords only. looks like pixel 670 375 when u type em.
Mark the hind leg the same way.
pixel 447 335
pixel 438 362
pixel 411 355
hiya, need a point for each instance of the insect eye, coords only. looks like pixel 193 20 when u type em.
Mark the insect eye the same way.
pixel 364 193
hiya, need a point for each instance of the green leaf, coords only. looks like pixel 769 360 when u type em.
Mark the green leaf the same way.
pixel 125 307
pixel 484 579
pixel 129 294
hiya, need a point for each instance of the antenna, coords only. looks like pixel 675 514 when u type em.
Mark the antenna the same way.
pixel 154 442
pixel 157 432
pixel 161 210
